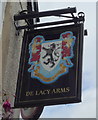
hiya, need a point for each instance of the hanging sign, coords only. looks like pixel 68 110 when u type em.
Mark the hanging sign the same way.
pixel 50 66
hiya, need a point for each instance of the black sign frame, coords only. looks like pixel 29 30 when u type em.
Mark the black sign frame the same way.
pixel 21 99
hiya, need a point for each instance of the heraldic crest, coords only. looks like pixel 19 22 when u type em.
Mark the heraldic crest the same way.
pixel 51 59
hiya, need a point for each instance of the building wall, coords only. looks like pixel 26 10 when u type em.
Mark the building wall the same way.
pixel 2 8
pixel 11 49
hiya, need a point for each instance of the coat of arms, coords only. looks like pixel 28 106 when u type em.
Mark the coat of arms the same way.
pixel 51 59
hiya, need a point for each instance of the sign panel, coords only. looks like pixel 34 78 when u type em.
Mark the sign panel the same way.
pixel 50 66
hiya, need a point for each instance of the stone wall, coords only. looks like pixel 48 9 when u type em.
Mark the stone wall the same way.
pixel 11 49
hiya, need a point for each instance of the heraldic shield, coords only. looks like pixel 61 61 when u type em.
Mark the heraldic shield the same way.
pixel 51 59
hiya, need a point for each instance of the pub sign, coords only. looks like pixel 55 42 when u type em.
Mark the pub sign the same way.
pixel 50 69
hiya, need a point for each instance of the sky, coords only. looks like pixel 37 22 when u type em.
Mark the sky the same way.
pixel 87 108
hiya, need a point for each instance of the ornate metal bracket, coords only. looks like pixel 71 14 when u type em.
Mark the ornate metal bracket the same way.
pixel 24 15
